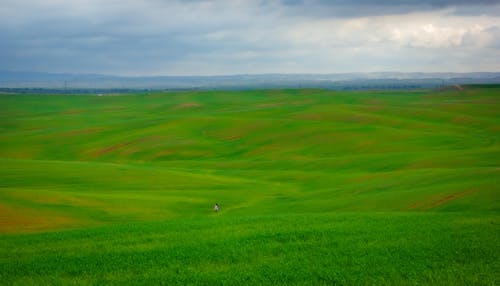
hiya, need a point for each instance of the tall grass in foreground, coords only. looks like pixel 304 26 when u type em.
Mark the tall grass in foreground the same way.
pixel 353 249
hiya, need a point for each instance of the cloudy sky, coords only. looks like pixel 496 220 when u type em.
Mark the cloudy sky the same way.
pixel 197 37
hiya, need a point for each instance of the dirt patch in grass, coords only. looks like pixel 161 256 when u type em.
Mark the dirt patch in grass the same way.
pixel 495 128
pixel 268 105
pixel 309 91
pixel 372 105
pixel 163 153
pixel 301 102
pixel 270 148
pixel 119 146
pixel 356 118
pixel 449 198
pixel 81 132
pixel 312 116
pixel 112 148
pixel 15 219
pixel 112 109
pixel 57 199
pixel 232 137
pixel 187 105
pixel 462 120
pixel 416 205
pixel 73 111
pixel 439 200
pixel 442 201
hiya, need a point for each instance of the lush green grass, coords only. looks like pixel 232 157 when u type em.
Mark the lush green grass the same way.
pixel 315 187
pixel 354 249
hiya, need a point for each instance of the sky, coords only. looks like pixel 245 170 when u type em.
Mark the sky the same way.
pixel 222 37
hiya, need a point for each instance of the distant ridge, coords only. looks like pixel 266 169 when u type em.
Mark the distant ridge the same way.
pixel 372 80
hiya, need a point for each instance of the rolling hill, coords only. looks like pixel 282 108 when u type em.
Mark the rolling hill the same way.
pixel 367 187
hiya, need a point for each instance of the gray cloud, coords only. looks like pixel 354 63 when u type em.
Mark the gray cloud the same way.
pixel 228 36
pixel 346 8
pixel 403 5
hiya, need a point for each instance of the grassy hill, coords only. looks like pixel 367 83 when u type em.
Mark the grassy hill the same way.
pixel 370 187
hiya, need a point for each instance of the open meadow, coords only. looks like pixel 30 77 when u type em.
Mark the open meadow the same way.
pixel 315 187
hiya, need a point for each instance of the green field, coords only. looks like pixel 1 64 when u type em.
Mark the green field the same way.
pixel 315 187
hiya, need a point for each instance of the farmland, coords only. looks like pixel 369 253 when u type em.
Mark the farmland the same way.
pixel 315 187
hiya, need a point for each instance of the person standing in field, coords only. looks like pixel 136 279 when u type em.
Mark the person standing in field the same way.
pixel 216 207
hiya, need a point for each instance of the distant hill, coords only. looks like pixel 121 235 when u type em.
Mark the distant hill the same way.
pixel 340 81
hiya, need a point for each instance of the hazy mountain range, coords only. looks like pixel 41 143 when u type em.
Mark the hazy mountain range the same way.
pixel 372 80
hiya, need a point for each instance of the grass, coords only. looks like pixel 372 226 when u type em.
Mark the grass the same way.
pixel 351 248
pixel 315 187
